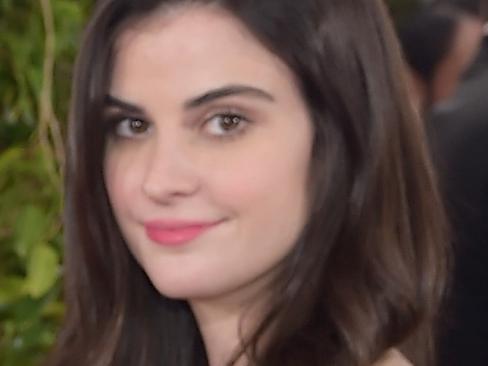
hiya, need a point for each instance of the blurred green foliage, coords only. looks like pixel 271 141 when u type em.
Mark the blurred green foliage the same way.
pixel 31 169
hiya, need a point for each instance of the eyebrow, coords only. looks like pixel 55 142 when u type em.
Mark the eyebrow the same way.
pixel 228 91
pixel 207 97
pixel 111 101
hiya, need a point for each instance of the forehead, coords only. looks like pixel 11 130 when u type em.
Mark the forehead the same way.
pixel 193 48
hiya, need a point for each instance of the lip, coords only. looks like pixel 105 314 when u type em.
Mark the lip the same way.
pixel 176 232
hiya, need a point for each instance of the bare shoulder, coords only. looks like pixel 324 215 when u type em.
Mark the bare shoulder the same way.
pixel 393 358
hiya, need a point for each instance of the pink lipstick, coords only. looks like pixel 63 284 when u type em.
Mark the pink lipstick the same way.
pixel 176 232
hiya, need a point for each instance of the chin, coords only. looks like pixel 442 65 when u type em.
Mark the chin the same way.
pixel 187 287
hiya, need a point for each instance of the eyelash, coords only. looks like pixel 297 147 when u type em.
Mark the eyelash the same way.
pixel 115 122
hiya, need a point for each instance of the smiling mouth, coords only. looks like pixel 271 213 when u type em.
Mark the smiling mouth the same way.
pixel 176 233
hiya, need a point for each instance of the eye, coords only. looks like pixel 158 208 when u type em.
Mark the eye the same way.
pixel 129 127
pixel 225 124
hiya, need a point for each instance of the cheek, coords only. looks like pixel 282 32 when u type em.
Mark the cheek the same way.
pixel 267 183
pixel 121 174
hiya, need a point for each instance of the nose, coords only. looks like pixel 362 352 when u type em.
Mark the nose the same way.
pixel 169 173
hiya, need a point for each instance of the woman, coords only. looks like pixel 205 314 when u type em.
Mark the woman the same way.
pixel 246 185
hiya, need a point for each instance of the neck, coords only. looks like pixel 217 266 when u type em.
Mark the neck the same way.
pixel 226 322
pixel 229 319
pixel 220 330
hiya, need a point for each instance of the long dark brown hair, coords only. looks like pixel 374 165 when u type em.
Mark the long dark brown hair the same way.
pixel 367 272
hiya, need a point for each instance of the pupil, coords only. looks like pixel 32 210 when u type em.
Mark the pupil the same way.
pixel 137 125
pixel 230 122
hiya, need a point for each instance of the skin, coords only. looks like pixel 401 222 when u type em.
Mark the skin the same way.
pixel 168 157
pixel 392 358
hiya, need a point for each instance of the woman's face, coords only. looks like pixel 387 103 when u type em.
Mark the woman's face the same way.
pixel 207 158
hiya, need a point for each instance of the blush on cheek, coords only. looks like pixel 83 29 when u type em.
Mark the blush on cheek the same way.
pixel 245 184
pixel 261 179
pixel 119 182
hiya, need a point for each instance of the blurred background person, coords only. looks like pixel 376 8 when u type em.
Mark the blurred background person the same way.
pixel 459 137
pixel 439 43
